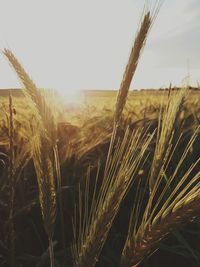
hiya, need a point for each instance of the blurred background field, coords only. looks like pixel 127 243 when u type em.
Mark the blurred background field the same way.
pixel 92 102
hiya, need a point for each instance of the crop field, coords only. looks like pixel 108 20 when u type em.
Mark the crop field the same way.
pixel 83 138
pixel 112 180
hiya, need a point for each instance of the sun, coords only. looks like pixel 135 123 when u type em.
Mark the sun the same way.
pixel 71 97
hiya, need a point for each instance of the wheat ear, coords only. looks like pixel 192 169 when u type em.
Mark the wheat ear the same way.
pixel 185 210
pixel 37 101
pixel 139 43
pixel 170 195
pixel 42 142
pixel 168 117
pixel 147 20
pixel 95 226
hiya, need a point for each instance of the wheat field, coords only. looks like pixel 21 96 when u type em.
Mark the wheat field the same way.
pixel 112 182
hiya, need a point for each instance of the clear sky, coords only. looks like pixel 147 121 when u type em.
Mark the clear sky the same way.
pixel 84 44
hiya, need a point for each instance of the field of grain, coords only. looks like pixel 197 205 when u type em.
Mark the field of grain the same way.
pixel 83 136
pixel 111 182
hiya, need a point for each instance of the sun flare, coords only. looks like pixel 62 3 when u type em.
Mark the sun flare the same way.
pixel 75 98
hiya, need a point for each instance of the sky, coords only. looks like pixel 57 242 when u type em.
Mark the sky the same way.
pixel 71 45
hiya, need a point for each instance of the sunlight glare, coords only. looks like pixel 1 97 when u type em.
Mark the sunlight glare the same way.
pixel 73 98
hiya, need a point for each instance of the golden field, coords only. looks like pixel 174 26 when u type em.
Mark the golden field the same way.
pixel 113 181
pixel 83 134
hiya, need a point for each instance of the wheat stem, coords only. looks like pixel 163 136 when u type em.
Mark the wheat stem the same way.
pixel 94 229
pixel 42 141
pixel 51 252
pixel 11 184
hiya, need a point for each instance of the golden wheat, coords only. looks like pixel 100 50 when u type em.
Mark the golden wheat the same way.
pixel 116 182
pixel 166 202
pixel 11 178
pixel 146 22
pixel 43 142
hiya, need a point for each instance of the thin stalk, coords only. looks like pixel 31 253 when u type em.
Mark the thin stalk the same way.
pixel 11 185
pixel 51 252
pixel 59 194
pixel 129 72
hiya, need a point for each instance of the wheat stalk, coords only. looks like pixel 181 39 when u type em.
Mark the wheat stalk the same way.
pixel 42 142
pixel 183 211
pixel 95 226
pixel 37 101
pixel 163 211
pixel 11 184
pixel 42 155
pixel 132 65
pixel 147 20
pixel 116 181
pixel 167 121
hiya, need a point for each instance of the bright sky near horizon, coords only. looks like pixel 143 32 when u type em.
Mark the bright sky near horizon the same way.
pixel 71 45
